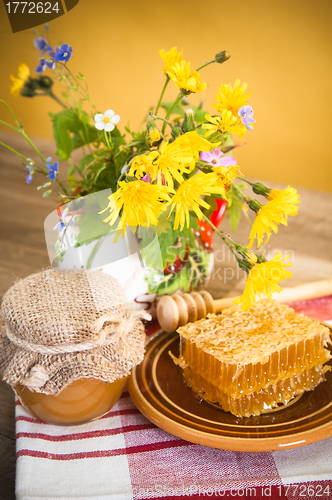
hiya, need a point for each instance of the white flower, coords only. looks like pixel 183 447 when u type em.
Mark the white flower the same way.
pixel 107 120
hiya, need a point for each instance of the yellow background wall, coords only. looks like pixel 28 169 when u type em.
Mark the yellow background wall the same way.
pixel 281 48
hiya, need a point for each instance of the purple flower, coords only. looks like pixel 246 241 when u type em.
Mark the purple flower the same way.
pixel 60 226
pixel 50 52
pixel 46 62
pixel 217 159
pixel 40 43
pixel 30 173
pixel 63 53
pixel 52 169
pixel 146 178
pixel 245 113
pixel 41 67
pixel 50 61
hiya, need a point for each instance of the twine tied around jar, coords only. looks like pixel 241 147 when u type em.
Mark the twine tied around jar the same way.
pixel 103 335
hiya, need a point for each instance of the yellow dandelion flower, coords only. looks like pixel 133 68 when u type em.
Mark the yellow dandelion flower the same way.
pixel 226 174
pixel 184 79
pixel 247 254
pixel 273 213
pixel 287 196
pixel 227 122
pixel 189 197
pixel 232 99
pixel 19 81
pixel 172 162
pixel 141 204
pixel 154 135
pixel 250 257
pixel 263 280
pixel 170 58
pixel 143 164
pixel 195 143
pixel 169 164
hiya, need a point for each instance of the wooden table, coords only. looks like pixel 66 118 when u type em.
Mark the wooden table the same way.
pixel 307 239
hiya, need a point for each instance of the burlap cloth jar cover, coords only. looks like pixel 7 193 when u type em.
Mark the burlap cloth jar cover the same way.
pixel 57 327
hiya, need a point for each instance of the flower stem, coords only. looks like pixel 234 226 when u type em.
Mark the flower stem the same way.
pixel 72 164
pixel 227 239
pixel 74 78
pixel 120 178
pixel 9 126
pixel 13 150
pixel 11 112
pixel 248 182
pixel 20 130
pixel 108 139
pixel 62 187
pixel 162 94
pixel 84 90
pixel 62 236
pixel 178 99
pixel 246 199
pixel 132 144
pixel 93 253
pixel 206 64
pixel 56 99
pixel 164 120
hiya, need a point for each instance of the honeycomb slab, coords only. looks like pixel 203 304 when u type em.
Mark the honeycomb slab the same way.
pixel 250 362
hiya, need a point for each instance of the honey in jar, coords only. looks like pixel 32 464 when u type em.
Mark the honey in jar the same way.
pixel 81 401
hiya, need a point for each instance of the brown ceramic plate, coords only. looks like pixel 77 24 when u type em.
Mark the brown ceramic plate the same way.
pixel 158 391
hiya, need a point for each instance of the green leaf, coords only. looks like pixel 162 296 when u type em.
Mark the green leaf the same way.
pixel 70 171
pixel 86 135
pixel 234 214
pixel 174 242
pixel 91 224
pixel 85 161
pixel 193 223
pixel 177 110
pixel 234 208
pixel 71 130
pixel 104 178
pixel 151 254
pixel 99 172
pixel 199 115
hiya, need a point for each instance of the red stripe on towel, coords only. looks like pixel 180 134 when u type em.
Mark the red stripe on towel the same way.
pixel 102 453
pixel 84 435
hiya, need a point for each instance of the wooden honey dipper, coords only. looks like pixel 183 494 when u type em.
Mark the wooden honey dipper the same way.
pixel 179 309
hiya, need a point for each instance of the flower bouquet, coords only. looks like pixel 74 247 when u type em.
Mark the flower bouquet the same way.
pixel 170 182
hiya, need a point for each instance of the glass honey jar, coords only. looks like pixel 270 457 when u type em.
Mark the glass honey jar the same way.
pixel 80 402
pixel 68 343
